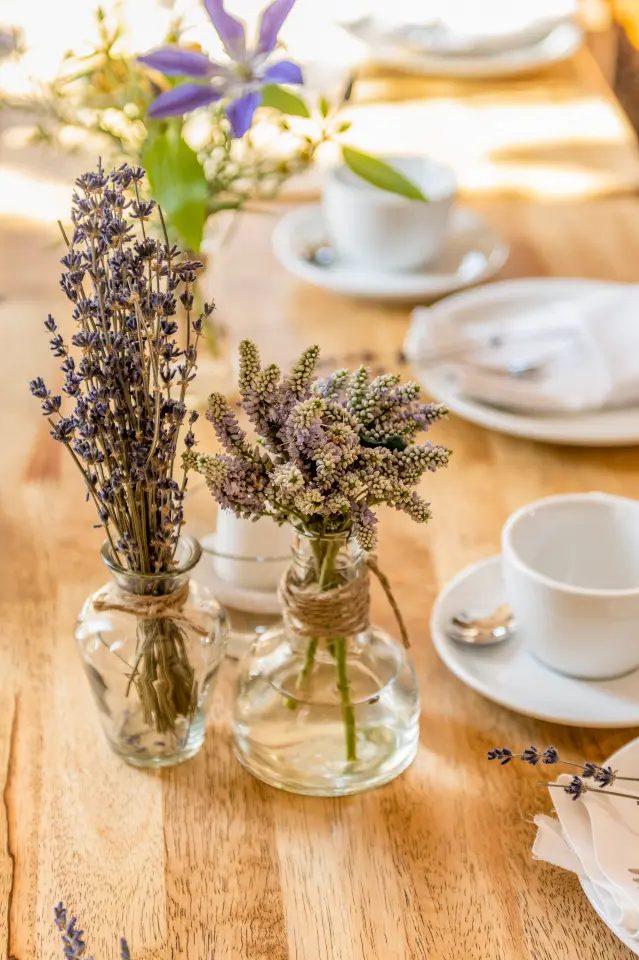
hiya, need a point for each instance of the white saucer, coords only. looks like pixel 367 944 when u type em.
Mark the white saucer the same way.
pixel 558 45
pixel 472 252
pixel 626 760
pixel 512 677
pixel 598 428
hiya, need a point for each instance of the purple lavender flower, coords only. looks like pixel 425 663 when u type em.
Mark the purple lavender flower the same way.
pixel 503 754
pixel 239 82
pixel 576 788
pixel 531 755
pixel 60 916
pixel 63 429
pixel 74 947
pixel 602 776
pixel 38 388
pixel 605 776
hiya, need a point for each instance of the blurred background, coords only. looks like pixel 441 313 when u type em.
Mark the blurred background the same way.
pixel 505 126
pixel 514 95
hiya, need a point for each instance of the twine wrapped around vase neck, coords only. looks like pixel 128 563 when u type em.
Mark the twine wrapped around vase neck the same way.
pixel 143 607
pixel 338 612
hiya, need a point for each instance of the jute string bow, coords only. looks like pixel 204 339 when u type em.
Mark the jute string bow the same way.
pixel 343 610
pixel 166 607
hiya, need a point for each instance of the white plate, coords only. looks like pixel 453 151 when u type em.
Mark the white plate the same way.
pixel 626 760
pixel 599 428
pixel 472 252
pixel 512 677
pixel 560 44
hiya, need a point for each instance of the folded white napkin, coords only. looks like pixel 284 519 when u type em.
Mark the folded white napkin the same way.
pixel 596 837
pixel 586 350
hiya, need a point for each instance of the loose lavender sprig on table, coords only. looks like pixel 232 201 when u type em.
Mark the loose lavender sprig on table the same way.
pixel 127 374
pixel 328 451
pixel 604 777
pixel 73 946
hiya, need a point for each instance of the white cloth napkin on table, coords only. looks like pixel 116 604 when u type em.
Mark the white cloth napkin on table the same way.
pixel 596 837
pixel 586 349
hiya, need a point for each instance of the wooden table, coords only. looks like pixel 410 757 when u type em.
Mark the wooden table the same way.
pixel 202 860
pixel 554 133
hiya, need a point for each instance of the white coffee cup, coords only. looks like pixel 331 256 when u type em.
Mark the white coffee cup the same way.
pixel 381 230
pixel 571 570
pixel 238 545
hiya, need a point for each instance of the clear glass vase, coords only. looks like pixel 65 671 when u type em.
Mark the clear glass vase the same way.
pixel 326 705
pixel 152 646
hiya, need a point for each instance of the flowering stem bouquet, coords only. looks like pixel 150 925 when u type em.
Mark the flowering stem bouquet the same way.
pixel 327 452
pixel 127 376
pixel 196 167
pixel 139 109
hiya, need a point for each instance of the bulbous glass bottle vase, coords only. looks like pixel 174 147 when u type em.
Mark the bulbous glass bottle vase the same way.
pixel 326 705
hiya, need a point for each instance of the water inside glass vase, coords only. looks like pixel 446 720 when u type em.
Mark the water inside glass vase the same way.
pixel 151 646
pixel 328 705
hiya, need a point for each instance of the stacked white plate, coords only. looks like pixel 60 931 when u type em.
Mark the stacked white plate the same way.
pixel 462 39
pixel 496 306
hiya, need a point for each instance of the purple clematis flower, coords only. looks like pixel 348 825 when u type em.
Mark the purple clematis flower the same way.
pixel 239 82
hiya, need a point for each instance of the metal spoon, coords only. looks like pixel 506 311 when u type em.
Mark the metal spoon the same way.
pixel 482 631
pixel 319 254
pixel 515 369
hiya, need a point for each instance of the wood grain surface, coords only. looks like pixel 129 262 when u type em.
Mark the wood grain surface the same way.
pixel 203 861
pixel 552 133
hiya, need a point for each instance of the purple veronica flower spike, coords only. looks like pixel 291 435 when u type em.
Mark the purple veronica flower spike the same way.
pixel 239 82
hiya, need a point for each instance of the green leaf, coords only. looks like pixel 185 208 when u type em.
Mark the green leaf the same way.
pixel 178 183
pixel 283 100
pixel 344 126
pixel 381 175
pixel 324 106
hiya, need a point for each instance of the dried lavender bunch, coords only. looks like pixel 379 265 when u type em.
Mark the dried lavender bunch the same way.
pixel 74 947
pixel 328 451
pixel 603 776
pixel 126 374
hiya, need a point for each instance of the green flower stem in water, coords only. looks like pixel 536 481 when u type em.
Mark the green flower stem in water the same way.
pixel 309 662
pixel 340 648
pixel 325 556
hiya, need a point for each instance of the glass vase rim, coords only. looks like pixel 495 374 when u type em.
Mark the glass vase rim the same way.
pixel 191 560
